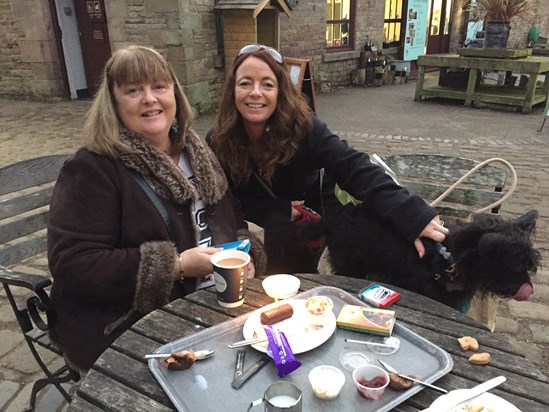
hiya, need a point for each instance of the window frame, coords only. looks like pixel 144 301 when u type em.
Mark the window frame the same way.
pixel 351 29
pixel 402 21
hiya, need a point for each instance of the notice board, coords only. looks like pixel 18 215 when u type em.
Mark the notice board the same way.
pixel 301 74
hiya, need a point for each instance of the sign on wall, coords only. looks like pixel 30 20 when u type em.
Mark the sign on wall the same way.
pixel 415 39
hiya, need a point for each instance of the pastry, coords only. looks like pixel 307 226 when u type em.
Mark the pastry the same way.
pixel 179 361
pixel 277 314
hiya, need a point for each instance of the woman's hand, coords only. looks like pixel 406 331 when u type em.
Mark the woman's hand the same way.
pixel 434 230
pixel 251 270
pixel 296 214
pixel 195 262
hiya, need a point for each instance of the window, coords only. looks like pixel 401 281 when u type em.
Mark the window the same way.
pixel 339 24
pixel 392 23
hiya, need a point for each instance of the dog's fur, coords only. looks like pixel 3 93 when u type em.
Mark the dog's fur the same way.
pixel 491 256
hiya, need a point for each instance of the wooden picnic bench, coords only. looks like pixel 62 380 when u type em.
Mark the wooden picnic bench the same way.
pixel 522 97
pixel 25 193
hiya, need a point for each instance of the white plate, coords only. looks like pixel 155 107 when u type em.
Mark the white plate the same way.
pixel 491 403
pixel 301 336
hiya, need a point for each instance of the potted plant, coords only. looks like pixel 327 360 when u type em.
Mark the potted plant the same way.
pixel 497 15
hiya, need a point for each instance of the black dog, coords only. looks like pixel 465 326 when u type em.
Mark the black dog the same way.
pixel 484 254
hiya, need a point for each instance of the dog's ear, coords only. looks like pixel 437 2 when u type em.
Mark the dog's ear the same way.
pixel 494 244
pixel 527 222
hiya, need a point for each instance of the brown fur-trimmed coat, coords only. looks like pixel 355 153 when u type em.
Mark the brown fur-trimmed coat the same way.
pixel 109 251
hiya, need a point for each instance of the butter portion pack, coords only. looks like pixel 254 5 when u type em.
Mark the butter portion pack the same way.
pixel 366 319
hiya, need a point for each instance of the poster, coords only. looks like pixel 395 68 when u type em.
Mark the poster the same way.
pixel 415 39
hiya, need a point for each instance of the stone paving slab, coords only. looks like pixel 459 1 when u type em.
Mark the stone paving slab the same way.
pixel 382 120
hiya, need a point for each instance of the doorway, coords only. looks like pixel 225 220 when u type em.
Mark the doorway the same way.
pixel 440 21
pixel 94 39
pixel 71 49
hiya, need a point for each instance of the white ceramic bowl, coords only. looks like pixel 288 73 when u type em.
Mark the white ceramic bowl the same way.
pixel 326 381
pixel 281 286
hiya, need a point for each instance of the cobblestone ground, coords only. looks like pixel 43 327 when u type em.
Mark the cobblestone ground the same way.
pixel 382 120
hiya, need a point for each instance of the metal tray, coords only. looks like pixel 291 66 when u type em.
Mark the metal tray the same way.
pixel 206 386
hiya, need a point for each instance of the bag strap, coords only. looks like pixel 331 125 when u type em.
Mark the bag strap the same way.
pixel 270 192
pixel 264 185
pixel 153 197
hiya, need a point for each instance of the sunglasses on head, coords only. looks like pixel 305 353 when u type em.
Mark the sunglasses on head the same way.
pixel 251 48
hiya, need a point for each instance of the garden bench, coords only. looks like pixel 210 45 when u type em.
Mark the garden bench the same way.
pixel 430 175
pixel 25 193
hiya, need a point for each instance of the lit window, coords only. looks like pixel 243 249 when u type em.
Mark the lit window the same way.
pixel 339 24
pixel 392 22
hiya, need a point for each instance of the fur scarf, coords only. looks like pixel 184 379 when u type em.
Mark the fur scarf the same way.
pixel 167 179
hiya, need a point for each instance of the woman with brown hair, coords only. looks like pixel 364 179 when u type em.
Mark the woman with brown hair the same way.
pixel 136 213
pixel 279 156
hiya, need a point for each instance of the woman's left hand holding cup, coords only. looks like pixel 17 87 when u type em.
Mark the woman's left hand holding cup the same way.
pixel 195 262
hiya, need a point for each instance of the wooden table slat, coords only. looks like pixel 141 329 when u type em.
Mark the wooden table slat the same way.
pixel 131 373
pixel 110 395
pixel 165 327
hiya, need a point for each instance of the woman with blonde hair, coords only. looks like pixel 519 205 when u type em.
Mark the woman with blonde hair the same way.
pixel 280 157
pixel 135 212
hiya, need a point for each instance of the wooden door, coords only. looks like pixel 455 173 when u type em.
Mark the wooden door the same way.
pixel 438 35
pixel 94 39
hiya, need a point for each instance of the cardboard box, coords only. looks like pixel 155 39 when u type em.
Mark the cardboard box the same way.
pixel 365 319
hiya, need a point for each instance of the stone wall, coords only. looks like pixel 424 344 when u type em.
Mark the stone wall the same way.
pixel 29 64
pixel 538 16
pixel 304 36
pixel 520 26
pixel 184 32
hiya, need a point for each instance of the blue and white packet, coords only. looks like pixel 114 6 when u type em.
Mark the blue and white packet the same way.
pixel 242 245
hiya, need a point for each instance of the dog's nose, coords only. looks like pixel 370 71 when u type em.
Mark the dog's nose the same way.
pixel 524 292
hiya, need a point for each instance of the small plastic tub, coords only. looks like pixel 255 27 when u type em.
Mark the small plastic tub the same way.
pixel 326 381
pixel 319 305
pixel 370 381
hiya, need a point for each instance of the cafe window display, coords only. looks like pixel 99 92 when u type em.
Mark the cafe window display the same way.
pixel 340 24
pixel 392 22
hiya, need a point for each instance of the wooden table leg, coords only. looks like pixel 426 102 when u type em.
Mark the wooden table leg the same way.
pixel 546 85
pixel 419 84
pixel 471 85
pixel 530 92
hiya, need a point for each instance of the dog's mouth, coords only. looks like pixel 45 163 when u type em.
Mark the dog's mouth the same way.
pixel 524 292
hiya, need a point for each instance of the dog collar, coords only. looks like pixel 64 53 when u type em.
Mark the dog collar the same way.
pixel 444 252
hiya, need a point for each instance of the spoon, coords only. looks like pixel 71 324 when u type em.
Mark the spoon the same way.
pixel 200 355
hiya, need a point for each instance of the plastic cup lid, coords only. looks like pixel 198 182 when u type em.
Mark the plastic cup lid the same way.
pixel 352 359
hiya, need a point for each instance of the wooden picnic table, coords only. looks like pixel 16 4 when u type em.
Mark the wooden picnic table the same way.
pixel 121 379
pixel 523 97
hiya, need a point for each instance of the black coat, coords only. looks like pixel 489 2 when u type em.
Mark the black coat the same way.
pixel 110 254
pixel 300 179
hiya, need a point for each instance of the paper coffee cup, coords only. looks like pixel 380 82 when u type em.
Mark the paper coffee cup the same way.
pixel 230 268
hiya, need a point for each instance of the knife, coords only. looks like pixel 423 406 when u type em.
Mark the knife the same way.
pixel 455 398
pixel 248 373
pixel 247 342
pixel 393 370
pixel 239 366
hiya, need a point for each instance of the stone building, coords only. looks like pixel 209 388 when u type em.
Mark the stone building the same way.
pixel 55 49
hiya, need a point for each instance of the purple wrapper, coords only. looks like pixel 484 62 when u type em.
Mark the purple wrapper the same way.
pixel 281 352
